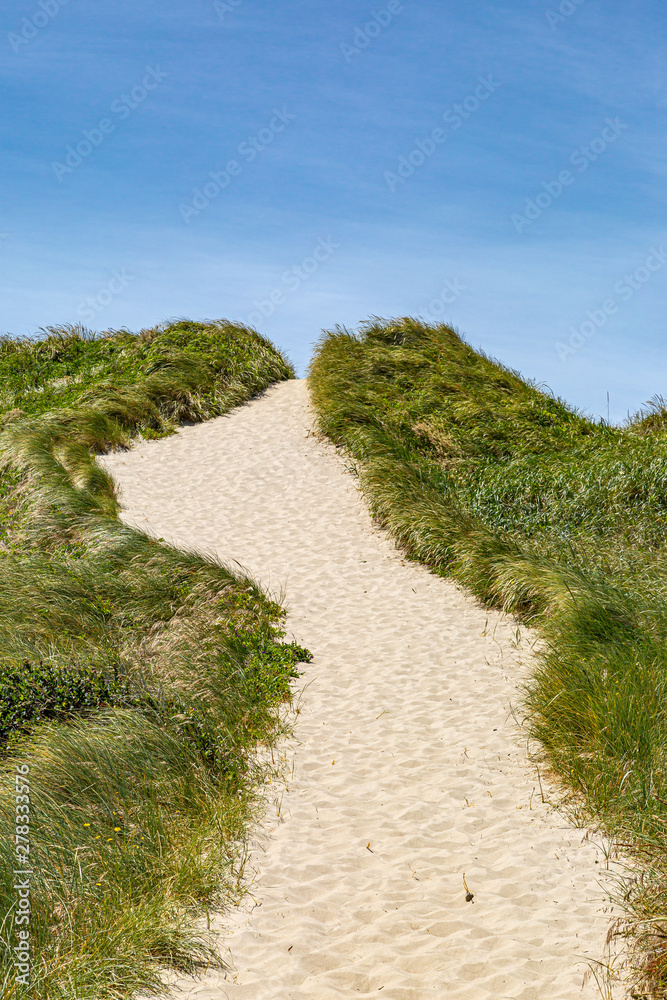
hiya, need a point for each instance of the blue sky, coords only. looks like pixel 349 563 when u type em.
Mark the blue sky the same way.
pixel 532 218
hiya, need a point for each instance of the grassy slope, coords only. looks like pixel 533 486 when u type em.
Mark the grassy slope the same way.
pixel 556 518
pixel 135 679
pixel 60 369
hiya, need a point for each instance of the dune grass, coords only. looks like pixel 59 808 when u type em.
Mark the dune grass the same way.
pixel 137 681
pixel 551 516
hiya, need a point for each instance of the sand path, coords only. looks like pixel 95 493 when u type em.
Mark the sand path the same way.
pixel 404 743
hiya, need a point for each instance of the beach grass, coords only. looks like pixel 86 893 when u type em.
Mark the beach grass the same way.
pixel 554 517
pixel 138 682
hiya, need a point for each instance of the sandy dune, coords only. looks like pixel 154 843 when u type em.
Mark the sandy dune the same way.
pixel 407 771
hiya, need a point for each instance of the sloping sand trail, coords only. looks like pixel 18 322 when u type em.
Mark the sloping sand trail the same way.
pixel 407 771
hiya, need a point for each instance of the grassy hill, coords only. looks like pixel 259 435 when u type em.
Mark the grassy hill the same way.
pixel 135 679
pixel 551 516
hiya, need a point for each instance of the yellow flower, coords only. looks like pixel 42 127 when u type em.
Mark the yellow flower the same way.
pixel 98 836
pixel 116 829
pixel 108 839
pixel 86 824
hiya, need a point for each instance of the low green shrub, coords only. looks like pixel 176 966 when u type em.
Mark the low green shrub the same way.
pixel 30 692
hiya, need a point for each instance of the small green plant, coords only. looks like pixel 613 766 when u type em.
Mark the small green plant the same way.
pixel 270 665
pixel 33 691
